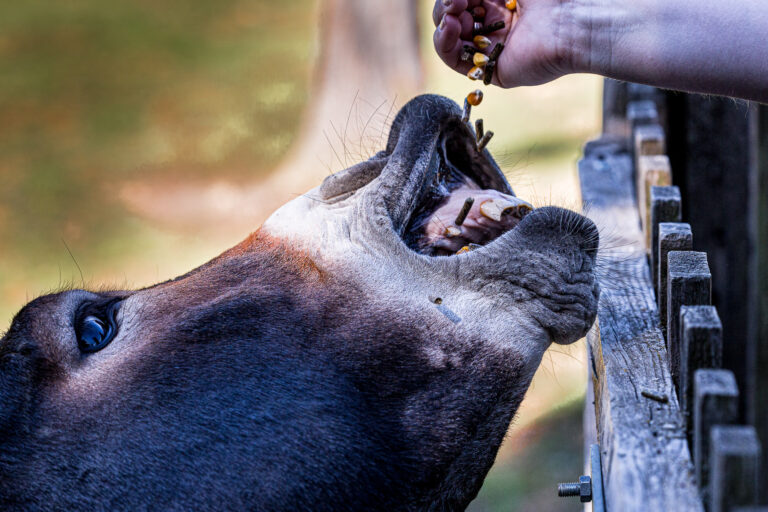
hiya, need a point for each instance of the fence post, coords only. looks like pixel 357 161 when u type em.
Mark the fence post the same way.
pixel 715 403
pixel 673 236
pixel 701 347
pixel 759 324
pixel 689 283
pixel 665 207
pixel 642 112
pixel 735 465
pixel 713 153
pixel 615 107
pixel 652 171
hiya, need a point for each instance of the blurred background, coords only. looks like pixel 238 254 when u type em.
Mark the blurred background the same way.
pixel 140 139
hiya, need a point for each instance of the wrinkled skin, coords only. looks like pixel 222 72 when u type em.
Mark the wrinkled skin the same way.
pixel 321 364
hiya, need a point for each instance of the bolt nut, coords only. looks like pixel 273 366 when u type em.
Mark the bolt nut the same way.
pixel 582 489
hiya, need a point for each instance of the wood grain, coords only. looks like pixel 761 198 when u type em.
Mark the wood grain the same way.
pixel 646 462
pixel 716 402
pixel 652 171
pixel 734 467
pixel 701 347
pixel 672 236
pixel 689 283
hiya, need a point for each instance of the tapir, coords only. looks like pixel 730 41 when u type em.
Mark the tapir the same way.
pixel 365 349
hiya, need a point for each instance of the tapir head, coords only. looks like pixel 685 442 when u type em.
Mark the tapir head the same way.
pixel 343 357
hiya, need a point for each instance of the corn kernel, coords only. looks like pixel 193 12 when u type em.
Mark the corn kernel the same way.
pixel 511 4
pixel 475 73
pixel 481 42
pixel 475 97
pixel 480 59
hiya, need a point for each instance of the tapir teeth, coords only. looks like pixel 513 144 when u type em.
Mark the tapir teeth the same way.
pixel 495 208
pixel 452 231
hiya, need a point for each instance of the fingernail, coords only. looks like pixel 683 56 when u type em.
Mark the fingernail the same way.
pixel 447 3
pixel 442 21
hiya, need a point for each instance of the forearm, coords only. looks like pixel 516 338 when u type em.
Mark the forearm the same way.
pixel 712 48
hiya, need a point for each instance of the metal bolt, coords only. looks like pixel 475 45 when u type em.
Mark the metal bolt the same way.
pixel 583 489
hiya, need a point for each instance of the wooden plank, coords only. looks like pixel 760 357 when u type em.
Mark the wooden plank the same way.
pixel 665 207
pixel 701 347
pixel 645 457
pixel 615 108
pixel 716 402
pixel 589 426
pixel 642 112
pixel 673 236
pixel 649 140
pixel 652 171
pixel 758 384
pixel 712 151
pixel 636 92
pixel 689 283
pixel 735 465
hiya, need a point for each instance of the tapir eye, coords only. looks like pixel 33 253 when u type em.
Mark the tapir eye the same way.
pixel 96 325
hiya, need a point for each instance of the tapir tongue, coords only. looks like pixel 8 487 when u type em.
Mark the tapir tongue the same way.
pixel 492 213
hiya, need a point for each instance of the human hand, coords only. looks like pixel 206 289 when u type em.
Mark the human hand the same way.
pixel 541 37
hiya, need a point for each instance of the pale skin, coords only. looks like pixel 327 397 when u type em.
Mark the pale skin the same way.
pixel 711 48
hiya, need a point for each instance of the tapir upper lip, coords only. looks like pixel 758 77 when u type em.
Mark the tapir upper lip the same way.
pixel 418 134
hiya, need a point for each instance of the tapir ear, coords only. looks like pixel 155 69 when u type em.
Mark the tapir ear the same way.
pixel 352 178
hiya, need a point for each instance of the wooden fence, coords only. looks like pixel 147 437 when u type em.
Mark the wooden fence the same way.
pixel 678 185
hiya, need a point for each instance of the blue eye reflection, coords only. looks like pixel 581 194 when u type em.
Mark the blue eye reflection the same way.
pixel 92 333
pixel 96 330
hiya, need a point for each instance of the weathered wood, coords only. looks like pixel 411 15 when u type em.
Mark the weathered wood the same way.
pixel 712 151
pixel 735 464
pixel 652 171
pixel 615 108
pixel 689 283
pixel 645 458
pixel 673 236
pixel 637 92
pixel 641 112
pixel 701 340
pixel 590 432
pixel 758 327
pixel 649 140
pixel 665 207
pixel 716 400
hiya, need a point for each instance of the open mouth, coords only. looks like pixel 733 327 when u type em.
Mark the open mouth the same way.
pixel 465 202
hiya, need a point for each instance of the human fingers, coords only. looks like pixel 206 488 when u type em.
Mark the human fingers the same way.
pixel 443 7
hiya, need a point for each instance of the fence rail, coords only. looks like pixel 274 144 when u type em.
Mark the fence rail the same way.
pixel 669 420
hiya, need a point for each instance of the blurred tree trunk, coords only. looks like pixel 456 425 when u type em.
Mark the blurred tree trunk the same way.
pixel 369 64
pixel 369 44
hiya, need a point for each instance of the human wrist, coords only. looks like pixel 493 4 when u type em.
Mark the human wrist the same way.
pixel 605 36
pixel 575 46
